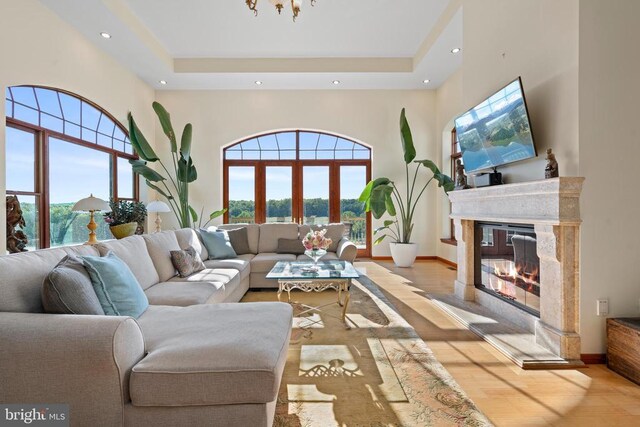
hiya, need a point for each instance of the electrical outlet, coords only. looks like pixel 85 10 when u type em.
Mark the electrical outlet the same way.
pixel 602 308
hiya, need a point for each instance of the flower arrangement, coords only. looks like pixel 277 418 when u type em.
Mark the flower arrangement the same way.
pixel 315 240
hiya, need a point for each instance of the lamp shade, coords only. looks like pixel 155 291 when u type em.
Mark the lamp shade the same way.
pixel 91 203
pixel 158 206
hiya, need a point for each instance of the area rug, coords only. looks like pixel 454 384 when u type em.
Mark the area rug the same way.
pixel 377 373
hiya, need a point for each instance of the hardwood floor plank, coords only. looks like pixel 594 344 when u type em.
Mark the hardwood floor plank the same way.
pixel 508 395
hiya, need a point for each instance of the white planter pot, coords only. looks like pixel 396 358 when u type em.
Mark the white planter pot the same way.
pixel 404 254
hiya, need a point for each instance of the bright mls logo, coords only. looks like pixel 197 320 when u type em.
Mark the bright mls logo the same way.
pixel 34 415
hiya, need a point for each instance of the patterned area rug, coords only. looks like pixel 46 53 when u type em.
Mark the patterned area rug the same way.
pixel 377 373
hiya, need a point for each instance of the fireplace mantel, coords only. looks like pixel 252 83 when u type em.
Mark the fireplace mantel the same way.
pixel 553 207
pixel 551 201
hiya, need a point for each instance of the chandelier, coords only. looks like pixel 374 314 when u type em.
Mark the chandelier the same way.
pixel 279 4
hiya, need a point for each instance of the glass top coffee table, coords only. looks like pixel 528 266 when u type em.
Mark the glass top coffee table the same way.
pixel 333 274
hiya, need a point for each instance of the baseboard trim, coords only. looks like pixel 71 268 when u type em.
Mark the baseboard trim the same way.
pixel 418 258
pixel 449 263
pixel 593 358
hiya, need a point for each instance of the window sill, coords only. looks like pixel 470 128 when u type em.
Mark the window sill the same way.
pixel 449 241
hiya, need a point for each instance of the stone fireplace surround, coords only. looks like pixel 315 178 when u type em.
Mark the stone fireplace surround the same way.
pixel 553 207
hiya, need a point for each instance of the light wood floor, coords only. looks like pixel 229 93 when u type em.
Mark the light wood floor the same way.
pixel 508 395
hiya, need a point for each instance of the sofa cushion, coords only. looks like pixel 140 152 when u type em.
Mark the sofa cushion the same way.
pixel 227 276
pixel 21 276
pixel 116 287
pixel 68 289
pixel 185 293
pixel 133 251
pixel 199 355
pixel 190 237
pixel 264 262
pixel 187 261
pixel 270 233
pixel 335 232
pixel 253 234
pixel 239 238
pixel 160 246
pixel 218 244
pixel 290 246
pixel 241 263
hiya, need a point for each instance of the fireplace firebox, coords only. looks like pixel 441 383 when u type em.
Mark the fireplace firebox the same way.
pixel 507 264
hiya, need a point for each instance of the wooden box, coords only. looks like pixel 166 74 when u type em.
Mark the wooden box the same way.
pixel 623 347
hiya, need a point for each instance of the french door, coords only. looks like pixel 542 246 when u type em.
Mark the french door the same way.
pixel 312 192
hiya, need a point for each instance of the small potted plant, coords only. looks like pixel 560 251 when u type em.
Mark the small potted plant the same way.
pixel 381 196
pixel 126 218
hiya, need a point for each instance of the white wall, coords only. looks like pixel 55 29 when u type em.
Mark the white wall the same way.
pixel 222 117
pixel 609 155
pixel 538 40
pixel 449 101
pixel 39 48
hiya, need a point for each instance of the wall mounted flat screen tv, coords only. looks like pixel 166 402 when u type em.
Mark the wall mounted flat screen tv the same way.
pixel 496 131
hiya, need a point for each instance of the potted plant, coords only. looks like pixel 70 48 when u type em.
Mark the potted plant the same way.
pixel 126 218
pixel 174 186
pixel 381 196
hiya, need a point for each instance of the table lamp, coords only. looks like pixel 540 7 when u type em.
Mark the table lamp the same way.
pixel 158 206
pixel 91 204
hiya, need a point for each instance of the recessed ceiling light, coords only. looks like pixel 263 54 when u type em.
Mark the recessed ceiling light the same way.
pixel 336 82
pixel 258 82
pixel 162 82
pixel 105 35
pixel 425 81
pixel 455 50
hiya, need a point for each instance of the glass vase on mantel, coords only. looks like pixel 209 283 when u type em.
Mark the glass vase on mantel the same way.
pixel 315 255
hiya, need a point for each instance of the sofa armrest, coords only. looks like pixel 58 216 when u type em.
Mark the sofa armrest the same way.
pixel 347 250
pixel 82 361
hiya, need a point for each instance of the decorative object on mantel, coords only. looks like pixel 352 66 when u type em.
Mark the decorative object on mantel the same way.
pixel 126 218
pixel 158 206
pixel 551 170
pixel 316 245
pixel 184 170
pixel 16 239
pixel 381 195
pixel 91 204
pixel 461 178
pixel 279 5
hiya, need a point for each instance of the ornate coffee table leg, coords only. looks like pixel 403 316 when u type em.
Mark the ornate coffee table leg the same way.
pixel 347 296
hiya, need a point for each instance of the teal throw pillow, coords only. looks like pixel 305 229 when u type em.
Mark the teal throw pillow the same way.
pixel 117 288
pixel 218 244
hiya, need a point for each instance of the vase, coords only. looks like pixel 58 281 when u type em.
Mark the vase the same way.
pixel 124 230
pixel 404 254
pixel 315 255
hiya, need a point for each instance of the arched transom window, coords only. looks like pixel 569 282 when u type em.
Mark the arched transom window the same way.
pixel 298 176
pixel 60 148
pixel 67 114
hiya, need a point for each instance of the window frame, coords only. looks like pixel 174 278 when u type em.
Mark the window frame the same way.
pixel 455 155
pixel 41 162
pixel 297 165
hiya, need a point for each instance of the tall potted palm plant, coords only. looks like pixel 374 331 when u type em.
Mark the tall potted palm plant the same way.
pixel 381 196
pixel 173 186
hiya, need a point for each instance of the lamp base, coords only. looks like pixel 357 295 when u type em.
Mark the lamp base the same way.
pixel 158 222
pixel 92 226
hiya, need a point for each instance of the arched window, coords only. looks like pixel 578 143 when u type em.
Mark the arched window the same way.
pixel 60 148
pixel 298 176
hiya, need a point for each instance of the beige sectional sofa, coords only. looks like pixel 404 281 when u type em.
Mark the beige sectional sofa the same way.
pixel 194 357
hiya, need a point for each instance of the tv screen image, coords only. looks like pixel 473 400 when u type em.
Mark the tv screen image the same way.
pixel 496 131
